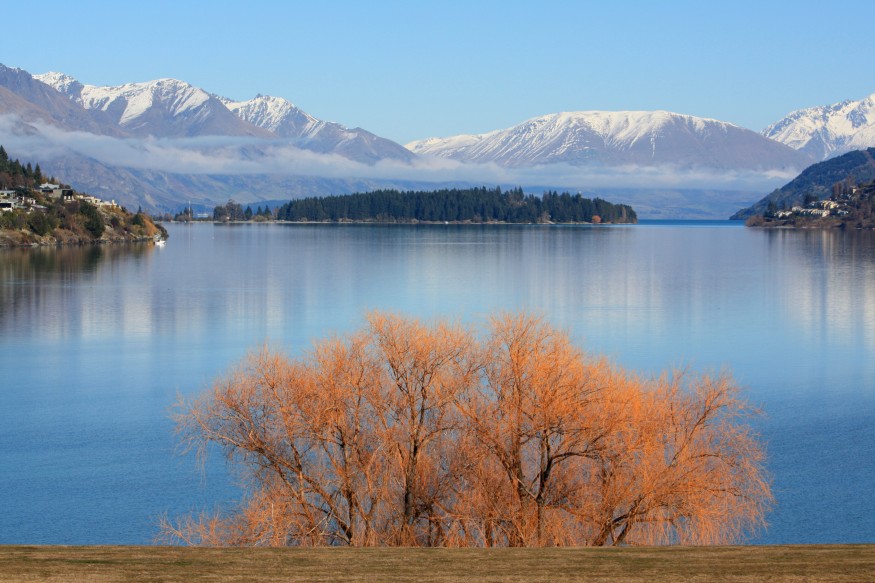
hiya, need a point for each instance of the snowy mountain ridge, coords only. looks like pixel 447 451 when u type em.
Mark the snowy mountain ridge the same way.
pixel 620 150
pixel 825 131
pixel 276 114
pixel 616 138
pixel 161 108
pixel 285 120
pixel 173 108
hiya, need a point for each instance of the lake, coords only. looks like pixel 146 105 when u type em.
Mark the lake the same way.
pixel 98 343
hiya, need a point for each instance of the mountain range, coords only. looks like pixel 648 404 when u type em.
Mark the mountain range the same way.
pixel 169 108
pixel 828 130
pixel 160 144
pixel 616 138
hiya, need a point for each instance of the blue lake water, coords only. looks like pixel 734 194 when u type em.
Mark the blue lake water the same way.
pixel 97 344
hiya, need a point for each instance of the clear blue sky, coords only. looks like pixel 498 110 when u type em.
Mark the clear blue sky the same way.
pixel 414 69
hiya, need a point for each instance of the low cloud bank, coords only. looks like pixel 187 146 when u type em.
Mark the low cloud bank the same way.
pixel 221 155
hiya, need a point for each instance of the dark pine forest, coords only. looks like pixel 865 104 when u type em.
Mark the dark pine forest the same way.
pixel 475 205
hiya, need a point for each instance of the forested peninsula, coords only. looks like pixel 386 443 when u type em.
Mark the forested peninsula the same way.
pixel 470 205
pixel 836 193
pixel 849 207
pixel 38 210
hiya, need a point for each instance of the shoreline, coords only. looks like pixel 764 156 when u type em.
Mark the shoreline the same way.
pixel 7 244
pixel 378 222
pixel 809 227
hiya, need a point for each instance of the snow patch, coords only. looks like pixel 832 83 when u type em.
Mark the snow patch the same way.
pixel 825 131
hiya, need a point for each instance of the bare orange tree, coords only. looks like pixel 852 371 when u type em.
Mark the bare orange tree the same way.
pixel 536 411
pixel 304 433
pixel 683 467
pixel 424 367
pixel 426 434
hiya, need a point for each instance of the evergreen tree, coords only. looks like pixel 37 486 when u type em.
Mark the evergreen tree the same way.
pixel 474 205
pixel 93 221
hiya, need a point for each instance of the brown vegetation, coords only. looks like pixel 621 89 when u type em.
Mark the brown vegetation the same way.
pixel 431 435
pixel 750 564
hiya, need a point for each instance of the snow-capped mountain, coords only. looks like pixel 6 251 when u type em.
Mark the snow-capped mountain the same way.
pixel 276 114
pixel 32 101
pixel 95 138
pixel 160 108
pixel 828 130
pixel 172 108
pixel 616 138
pixel 285 120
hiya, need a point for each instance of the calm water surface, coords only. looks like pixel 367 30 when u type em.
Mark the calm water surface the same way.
pixel 96 345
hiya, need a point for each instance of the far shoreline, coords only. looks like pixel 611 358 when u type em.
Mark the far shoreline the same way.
pixel 378 222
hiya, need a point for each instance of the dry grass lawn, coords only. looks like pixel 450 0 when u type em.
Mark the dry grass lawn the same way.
pixel 839 563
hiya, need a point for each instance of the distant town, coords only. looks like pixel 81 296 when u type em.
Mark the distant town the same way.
pixel 849 206
pixel 21 198
pixel 36 211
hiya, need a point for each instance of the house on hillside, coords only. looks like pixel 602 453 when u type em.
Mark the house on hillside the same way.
pixel 95 201
pixel 64 194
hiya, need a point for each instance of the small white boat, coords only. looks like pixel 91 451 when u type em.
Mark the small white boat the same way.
pixel 160 242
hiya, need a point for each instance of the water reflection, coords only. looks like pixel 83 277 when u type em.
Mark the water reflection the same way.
pixel 50 291
pixel 97 342
pixel 627 288
pixel 829 280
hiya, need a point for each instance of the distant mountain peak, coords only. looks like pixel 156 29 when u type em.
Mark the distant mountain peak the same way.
pixel 65 84
pixel 272 113
pixel 616 138
pixel 283 118
pixel 825 131
pixel 161 107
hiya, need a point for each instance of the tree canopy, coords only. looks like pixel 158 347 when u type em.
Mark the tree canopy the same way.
pixel 457 205
pixel 414 434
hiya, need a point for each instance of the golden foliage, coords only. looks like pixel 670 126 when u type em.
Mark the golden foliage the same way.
pixel 432 435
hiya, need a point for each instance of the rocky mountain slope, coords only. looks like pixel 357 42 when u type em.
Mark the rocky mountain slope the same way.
pixel 168 108
pixel 163 143
pixel 33 101
pixel 638 138
pixel 817 180
pixel 160 108
pixel 285 120
pixel 827 130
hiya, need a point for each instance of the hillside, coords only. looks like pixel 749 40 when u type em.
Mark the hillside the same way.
pixel 33 212
pixel 849 207
pixel 817 181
